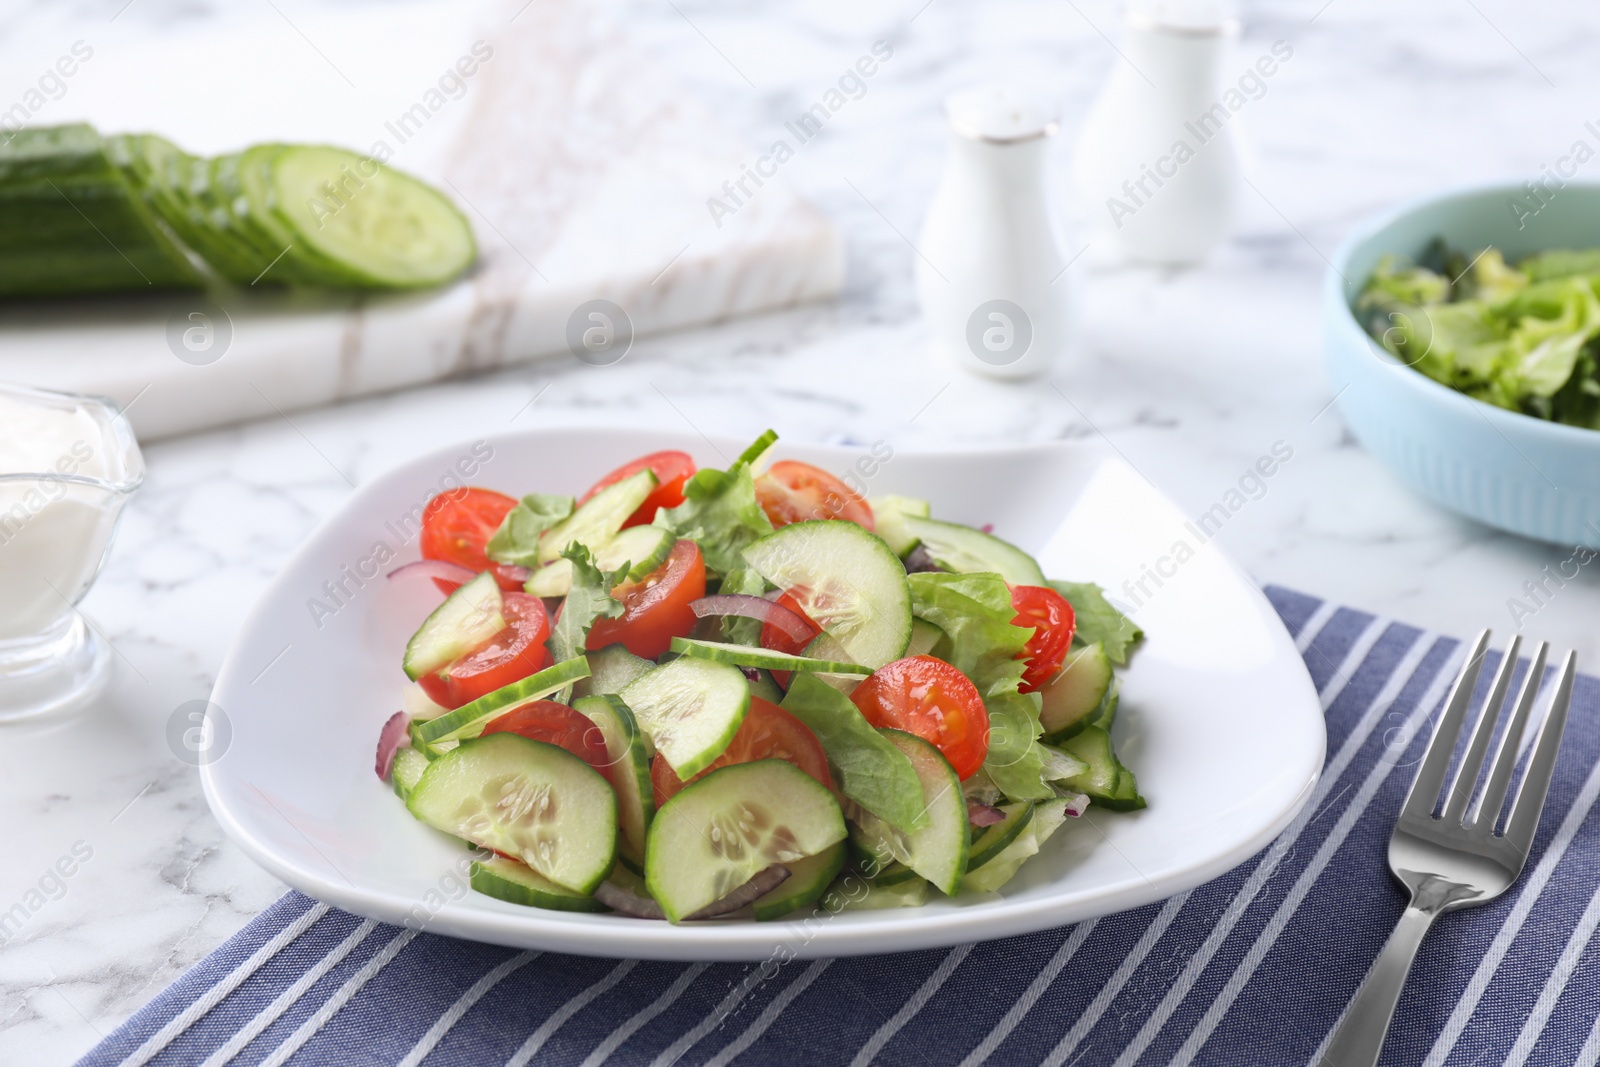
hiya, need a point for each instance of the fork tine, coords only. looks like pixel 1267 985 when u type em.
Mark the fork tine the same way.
pixel 1430 776
pixel 1524 819
pixel 1466 782
pixel 1487 812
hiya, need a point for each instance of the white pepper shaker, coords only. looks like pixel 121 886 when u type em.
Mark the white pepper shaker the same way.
pixel 990 274
pixel 1158 160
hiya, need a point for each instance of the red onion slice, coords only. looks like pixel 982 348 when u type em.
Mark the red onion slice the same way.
pixel 755 607
pixel 626 902
pixel 983 814
pixel 765 881
pixel 395 733
pixel 1077 805
pixel 435 568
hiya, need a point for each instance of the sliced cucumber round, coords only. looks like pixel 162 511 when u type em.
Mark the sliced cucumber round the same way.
pixel 598 519
pixel 1075 692
pixel 384 227
pixel 808 879
pixel 996 838
pixel 643 549
pixel 888 520
pixel 629 764
pixel 469 719
pixel 938 850
pixel 517 883
pixel 911 893
pixel 719 832
pixel 846 580
pixel 749 656
pixel 407 770
pixel 965 550
pixel 527 799
pixel 467 618
pixel 894 874
pixel 690 708
pixel 925 637
pixel 610 670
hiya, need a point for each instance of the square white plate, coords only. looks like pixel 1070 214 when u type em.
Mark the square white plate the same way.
pixel 1218 717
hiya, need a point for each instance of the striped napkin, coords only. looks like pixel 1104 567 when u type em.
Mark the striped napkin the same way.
pixel 1251 969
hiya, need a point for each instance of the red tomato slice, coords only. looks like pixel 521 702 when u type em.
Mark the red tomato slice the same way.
pixel 509 656
pixel 656 609
pixel 791 491
pixel 1048 612
pixel 546 720
pixel 928 697
pixel 457 525
pixel 768 732
pixel 779 640
pixel 671 469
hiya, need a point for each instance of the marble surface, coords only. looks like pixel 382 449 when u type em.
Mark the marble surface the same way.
pixel 1191 374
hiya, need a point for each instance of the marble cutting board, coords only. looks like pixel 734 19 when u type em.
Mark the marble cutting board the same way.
pixel 583 168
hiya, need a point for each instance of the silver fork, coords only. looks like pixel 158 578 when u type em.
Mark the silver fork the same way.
pixel 1456 860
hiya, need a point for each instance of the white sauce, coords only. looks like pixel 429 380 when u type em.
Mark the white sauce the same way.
pixel 53 532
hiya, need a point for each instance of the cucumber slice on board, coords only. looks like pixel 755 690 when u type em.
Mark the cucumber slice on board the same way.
pixel 888 521
pixel 808 879
pixel 1075 693
pixel 644 548
pixel 407 770
pixel 749 656
pixel 965 550
pixel 846 580
pixel 517 883
pixel 995 839
pixel 467 618
pixel 598 519
pixel 938 850
pixel 385 228
pixel 720 831
pixel 629 766
pixel 610 670
pixel 527 799
pixel 690 708
pixel 469 719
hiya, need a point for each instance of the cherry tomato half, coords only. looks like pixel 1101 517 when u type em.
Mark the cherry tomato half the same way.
pixel 791 491
pixel 1048 612
pixel 456 527
pixel 655 609
pixel 671 469
pixel 509 656
pixel 928 697
pixel 768 732
pixel 557 724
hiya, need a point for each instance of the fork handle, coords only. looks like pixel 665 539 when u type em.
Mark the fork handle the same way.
pixel 1359 1039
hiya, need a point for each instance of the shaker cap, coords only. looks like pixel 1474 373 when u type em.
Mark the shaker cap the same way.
pixel 1000 114
pixel 1193 17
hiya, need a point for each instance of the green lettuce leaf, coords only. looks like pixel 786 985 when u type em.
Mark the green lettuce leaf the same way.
pixel 872 772
pixel 975 613
pixel 1098 621
pixel 1016 760
pixel 720 512
pixel 589 599
pixel 517 539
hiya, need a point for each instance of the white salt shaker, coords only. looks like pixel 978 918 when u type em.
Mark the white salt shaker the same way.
pixel 1158 160
pixel 990 273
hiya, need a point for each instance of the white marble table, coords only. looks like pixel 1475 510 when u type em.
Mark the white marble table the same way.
pixel 1191 374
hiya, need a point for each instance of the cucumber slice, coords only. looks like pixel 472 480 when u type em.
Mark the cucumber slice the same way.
pixel 526 799
pixel 968 551
pixel 719 832
pixel 763 685
pixel 469 719
pixel 912 893
pixel 1048 815
pixel 610 670
pixel 420 744
pixel 846 580
pixel 894 874
pixel 997 838
pixel 598 519
pixel 749 656
pixel 888 521
pixel 938 850
pixel 690 708
pixel 808 879
pixel 407 770
pixel 1075 692
pixel 385 228
pixel 629 764
pixel 925 636
pixel 644 548
pixel 517 883
pixel 467 618
pixel 1107 782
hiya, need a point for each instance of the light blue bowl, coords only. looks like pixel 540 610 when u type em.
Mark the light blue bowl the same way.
pixel 1526 475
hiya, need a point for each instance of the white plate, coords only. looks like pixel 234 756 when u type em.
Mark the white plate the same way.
pixel 1218 717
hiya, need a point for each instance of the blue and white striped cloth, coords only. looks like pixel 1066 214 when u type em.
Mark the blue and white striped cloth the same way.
pixel 1251 969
